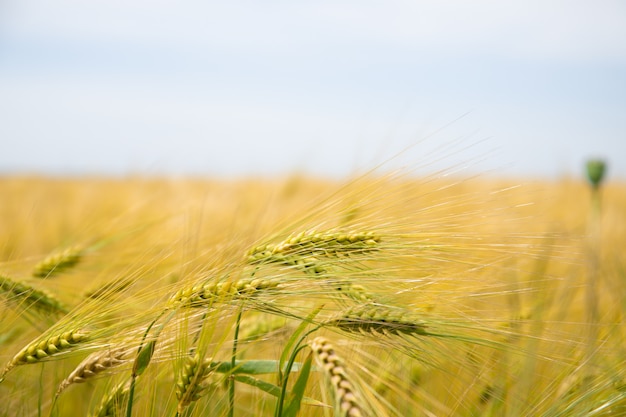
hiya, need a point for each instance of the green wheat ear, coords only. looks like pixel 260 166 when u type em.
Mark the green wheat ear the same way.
pixel 191 383
pixel 43 348
pixel 25 296
pixel 58 262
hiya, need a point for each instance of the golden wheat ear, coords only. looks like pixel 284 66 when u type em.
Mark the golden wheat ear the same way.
pixel 346 398
pixel 312 242
pixel 95 364
pixel 379 319
pixel 307 249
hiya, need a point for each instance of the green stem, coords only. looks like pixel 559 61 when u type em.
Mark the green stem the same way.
pixel 233 361
pixel 53 409
pixel 593 275
pixel 285 374
pixel 131 393
pixel 40 390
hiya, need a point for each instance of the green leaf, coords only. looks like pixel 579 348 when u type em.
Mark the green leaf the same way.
pixel 295 337
pixel 252 367
pixel 146 351
pixel 260 384
pixel 143 357
pixel 274 390
pixel 298 389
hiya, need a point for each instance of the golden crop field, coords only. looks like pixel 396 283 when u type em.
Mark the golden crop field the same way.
pixel 383 295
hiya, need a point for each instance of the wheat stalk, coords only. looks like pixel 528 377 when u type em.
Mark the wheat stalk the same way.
pixel 28 297
pixel 93 365
pixel 58 262
pixel 348 403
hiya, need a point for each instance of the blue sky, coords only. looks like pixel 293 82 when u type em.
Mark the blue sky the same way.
pixel 520 88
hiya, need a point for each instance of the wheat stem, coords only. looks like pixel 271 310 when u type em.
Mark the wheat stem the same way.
pixel 233 362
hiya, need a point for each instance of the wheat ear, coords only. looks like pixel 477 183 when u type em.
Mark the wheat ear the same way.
pixel 303 249
pixel 114 403
pixel 348 404
pixel 42 349
pixel 381 319
pixel 330 242
pixel 224 290
pixel 354 291
pixel 94 364
pixel 191 382
pixel 58 262
pixel 28 297
pixel 109 288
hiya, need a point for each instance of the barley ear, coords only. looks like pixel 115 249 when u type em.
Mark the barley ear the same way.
pixel 58 262
pixel 379 319
pixel 347 402
pixel 114 403
pixel 95 364
pixel 27 297
pixel 191 382
pixel 305 250
pixel 42 349
pixel 221 291
pixel 355 292
pixel 329 242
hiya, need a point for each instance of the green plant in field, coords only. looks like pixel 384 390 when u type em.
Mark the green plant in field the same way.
pixel 596 169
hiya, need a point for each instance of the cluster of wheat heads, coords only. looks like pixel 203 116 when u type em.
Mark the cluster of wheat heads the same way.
pixel 392 296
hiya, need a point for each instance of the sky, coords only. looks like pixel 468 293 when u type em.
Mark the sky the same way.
pixel 245 88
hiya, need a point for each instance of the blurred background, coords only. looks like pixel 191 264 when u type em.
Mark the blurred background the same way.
pixel 519 88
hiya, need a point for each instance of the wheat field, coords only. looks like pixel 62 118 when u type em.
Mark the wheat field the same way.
pixel 383 295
